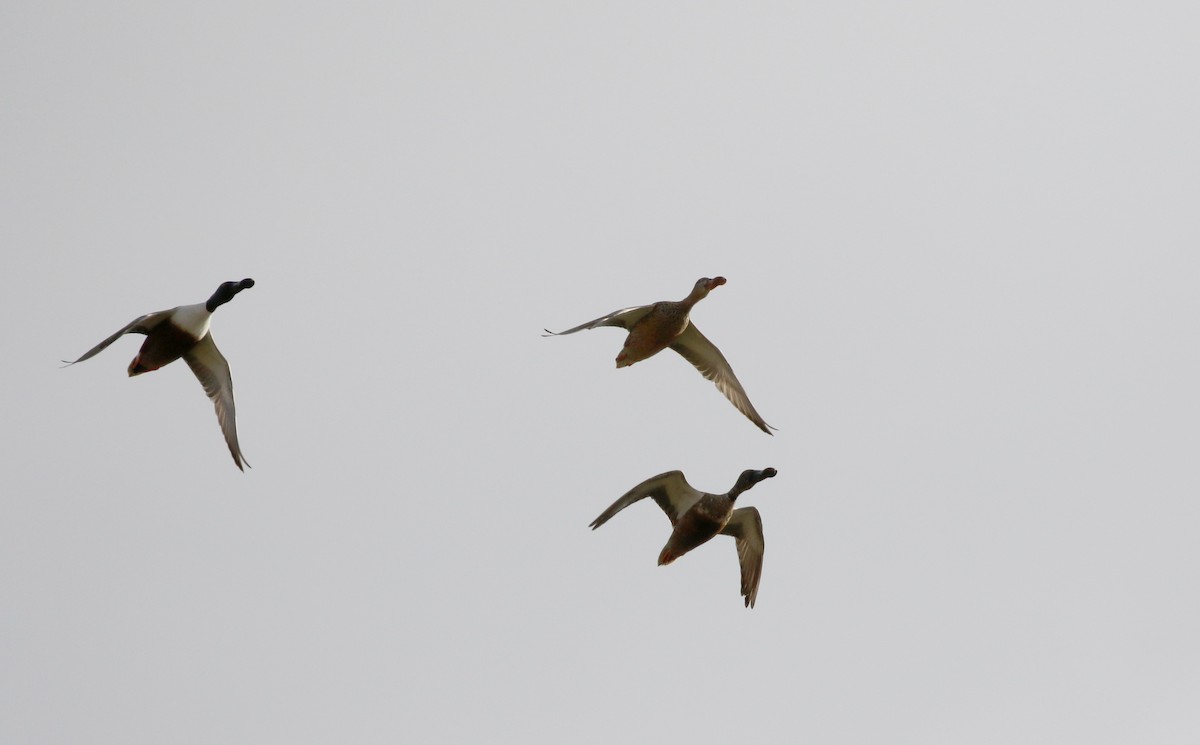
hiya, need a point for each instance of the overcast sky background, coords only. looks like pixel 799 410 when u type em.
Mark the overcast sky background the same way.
pixel 961 245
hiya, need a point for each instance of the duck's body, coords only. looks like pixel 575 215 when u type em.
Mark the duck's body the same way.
pixel 696 517
pixel 174 333
pixel 183 332
pixel 653 328
pixel 662 324
pixel 697 526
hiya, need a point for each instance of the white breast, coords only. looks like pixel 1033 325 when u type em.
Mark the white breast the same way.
pixel 193 319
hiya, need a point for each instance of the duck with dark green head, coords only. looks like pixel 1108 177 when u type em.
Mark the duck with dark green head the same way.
pixel 696 517
pixel 184 332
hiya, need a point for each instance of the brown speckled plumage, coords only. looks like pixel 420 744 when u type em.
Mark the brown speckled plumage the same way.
pixel 653 328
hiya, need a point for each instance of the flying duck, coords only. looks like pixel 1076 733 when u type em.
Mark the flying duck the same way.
pixel 653 328
pixel 697 516
pixel 183 332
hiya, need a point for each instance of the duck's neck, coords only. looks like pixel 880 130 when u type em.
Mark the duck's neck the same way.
pixel 744 483
pixel 219 298
pixel 694 297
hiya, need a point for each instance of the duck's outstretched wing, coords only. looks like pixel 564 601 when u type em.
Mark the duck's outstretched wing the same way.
pixel 704 355
pixel 139 325
pixel 670 491
pixel 745 524
pixel 623 318
pixel 212 370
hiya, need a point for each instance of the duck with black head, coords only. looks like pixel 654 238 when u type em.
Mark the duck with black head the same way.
pixel 184 332
pixel 697 517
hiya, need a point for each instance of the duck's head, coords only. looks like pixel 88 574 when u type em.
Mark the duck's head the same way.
pixel 705 285
pixel 226 292
pixel 748 479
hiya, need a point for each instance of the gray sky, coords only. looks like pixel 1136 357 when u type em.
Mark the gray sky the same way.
pixel 961 245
